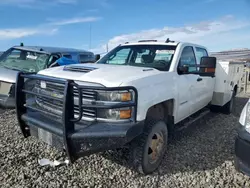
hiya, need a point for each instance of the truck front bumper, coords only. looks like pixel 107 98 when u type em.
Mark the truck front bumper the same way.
pixel 242 151
pixel 78 137
pixel 85 139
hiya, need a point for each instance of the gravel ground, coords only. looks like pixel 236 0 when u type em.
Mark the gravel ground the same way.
pixel 198 156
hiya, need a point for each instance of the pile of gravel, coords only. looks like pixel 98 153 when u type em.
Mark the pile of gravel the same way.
pixel 199 156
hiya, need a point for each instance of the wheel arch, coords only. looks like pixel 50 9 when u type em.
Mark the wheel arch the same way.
pixel 163 111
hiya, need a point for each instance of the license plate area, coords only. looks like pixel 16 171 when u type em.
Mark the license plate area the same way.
pixel 45 136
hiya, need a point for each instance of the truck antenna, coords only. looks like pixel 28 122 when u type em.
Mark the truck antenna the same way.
pixel 107 47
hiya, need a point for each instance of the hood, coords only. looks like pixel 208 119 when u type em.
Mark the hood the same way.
pixel 107 75
pixel 8 75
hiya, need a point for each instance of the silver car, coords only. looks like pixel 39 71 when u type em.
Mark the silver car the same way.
pixel 31 59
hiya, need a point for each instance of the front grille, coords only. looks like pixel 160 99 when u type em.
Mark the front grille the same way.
pixel 56 107
pixel 87 95
pixel 88 113
pixel 50 105
pixel 55 87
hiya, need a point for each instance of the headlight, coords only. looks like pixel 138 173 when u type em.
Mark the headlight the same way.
pixel 247 119
pixel 115 114
pixel 115 96
pixel 122 96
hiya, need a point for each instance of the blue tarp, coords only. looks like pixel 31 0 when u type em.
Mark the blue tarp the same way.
pixel 66 61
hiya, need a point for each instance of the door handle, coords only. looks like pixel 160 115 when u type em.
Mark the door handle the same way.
pixel 199 79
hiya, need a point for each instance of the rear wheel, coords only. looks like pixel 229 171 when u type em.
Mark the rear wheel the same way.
pixel 147 152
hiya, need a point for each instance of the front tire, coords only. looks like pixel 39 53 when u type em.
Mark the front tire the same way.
pixel 148 151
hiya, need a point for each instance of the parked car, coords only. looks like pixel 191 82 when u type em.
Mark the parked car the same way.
pixel 32 59
pixel 242 143
pixel 133 97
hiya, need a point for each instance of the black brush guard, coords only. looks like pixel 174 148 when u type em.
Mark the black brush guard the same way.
pixel 77 140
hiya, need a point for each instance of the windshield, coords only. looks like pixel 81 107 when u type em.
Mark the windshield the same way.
pixel 24 60
pixel 153 56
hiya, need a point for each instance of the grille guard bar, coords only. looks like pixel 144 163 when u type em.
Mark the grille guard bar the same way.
pixel 68 120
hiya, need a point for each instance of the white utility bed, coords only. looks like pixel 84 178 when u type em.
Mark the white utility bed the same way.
pixel 228 76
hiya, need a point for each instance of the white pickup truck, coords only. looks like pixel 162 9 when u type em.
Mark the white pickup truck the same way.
pixel 132 97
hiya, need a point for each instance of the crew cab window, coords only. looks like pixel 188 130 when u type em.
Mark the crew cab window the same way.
pixel 200 52
pixel 188 58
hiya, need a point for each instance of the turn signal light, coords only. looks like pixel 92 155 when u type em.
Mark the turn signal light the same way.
pixel 210 70
pixel 126 97
pixel 125 114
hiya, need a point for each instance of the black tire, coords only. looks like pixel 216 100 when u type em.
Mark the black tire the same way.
pixel 228 108
pixel 140 148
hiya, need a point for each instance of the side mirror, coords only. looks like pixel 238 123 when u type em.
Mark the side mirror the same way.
pixel 183 69
pixel 208 65
pixel 97 57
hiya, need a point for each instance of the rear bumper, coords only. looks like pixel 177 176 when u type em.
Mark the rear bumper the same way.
pixel 242 151
pixel 85 139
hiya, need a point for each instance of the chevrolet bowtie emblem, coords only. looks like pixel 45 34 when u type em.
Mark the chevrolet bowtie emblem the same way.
pixel 43 84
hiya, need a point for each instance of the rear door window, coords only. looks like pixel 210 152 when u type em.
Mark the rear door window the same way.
pixel 200 52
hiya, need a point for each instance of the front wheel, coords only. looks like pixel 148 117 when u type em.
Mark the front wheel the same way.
pixel 148 151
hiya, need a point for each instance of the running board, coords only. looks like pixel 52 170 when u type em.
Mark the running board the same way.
pixel 186 123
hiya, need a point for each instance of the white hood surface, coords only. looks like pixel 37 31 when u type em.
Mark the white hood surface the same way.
pixel 107 75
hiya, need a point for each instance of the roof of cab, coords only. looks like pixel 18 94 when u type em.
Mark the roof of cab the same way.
pixel 51 49
pixel 154 42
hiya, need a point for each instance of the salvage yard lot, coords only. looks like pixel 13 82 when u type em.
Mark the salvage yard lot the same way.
pixel 198 156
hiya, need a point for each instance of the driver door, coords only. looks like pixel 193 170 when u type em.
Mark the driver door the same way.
pixel 188 85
